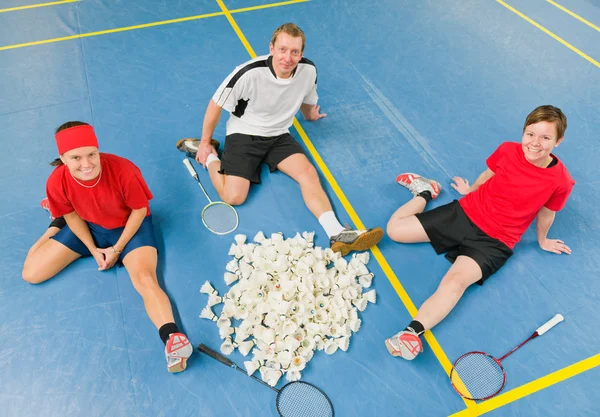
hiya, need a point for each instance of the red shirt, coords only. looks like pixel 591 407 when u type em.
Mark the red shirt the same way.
pixel 506 204
pixel 121 188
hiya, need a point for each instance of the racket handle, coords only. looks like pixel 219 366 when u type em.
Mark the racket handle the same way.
pixel 190 168
pixel 215 355
pixel 549 324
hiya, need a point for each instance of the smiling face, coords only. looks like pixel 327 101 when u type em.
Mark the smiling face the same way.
pixel 83 163
pixel 538 142
pixel 286 52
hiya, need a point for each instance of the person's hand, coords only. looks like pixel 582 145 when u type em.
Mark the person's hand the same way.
pixel 461 185
pixel 110 258
pixel 556 246
pixel 314 113
pixel 100 259
pixel 204 149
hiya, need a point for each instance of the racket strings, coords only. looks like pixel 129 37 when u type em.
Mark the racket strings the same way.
pixel 220 218
pixel 300 399
pixel 478 376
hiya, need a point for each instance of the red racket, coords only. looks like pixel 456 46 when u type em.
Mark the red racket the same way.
pixel 480 376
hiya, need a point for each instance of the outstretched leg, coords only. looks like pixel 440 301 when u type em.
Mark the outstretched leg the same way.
pixel 463 273
pixel 342 240
pixel 141 265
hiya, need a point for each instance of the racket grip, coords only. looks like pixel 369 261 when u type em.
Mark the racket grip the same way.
pixel 549 324
pixel 190 168
pixel 215 355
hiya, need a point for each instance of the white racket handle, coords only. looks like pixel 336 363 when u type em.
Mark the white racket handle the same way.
pixel 190 168
pixel 549 324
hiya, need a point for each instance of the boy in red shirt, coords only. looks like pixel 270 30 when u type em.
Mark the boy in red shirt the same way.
pixel 100 205
pixel 524 181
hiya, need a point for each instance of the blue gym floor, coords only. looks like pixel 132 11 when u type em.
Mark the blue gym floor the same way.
pixel 425 86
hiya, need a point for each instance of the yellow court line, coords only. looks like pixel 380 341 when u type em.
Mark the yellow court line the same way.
pixel 576 16
pixel 266 6
pixel 436 348
pixel 34 6
pixel 547 32
pixel 533 386
pixel 146 25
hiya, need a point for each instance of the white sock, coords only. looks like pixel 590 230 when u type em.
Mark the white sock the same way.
pixel 211 158
pixel 331 224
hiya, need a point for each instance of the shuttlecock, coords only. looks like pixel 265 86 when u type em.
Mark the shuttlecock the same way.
pixel 214 299
pixel 365 280
pixel 207 288
pixel 207 313
pixel 370 296
pixel 230 278
pixel 251 366
pixel 227 346
pixel 245 347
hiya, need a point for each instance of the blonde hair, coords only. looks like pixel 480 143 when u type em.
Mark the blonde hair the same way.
pixel 292 30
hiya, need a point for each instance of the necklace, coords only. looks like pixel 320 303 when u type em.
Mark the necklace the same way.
pixel 87 186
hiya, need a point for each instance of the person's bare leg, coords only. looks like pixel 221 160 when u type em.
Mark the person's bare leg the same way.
pixel 231 189
pixel 141 265
pixel 46 258
pixel 342 240
pixel 299 168
pixel 463 273
pixel 404 227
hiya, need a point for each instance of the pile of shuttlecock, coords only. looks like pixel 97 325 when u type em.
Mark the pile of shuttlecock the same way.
pixel 287 300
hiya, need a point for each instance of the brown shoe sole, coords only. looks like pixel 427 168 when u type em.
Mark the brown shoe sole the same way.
pixel 364 242
pixel 179 367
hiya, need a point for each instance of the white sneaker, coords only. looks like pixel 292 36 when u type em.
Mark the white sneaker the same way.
pixel 417 184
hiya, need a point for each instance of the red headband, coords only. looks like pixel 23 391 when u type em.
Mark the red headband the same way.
pixel 75 137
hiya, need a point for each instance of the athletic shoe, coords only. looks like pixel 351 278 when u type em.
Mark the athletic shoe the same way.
pixel 405 344
pixel 355 240
pixel 190 146
pixel 417 184
pixel 177 351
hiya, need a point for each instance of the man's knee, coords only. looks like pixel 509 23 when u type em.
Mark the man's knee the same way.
pixel 308 174
pixel 234 198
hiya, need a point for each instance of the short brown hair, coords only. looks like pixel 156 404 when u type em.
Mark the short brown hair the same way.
pixel 549 114
pixel 292 30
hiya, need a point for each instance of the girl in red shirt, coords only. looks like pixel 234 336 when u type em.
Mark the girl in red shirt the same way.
pixel 100 205
pixel 524 181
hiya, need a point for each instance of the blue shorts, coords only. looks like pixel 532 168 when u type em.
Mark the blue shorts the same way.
pixel 105 238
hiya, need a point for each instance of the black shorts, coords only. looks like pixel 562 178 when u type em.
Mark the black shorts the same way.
pixel 452 232
pixel 243 154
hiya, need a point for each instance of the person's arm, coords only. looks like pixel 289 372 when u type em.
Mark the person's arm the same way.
pixel 311 112
pixel 544 220
pixel 80 229
pixel 462 185
pixel 111 254
pixel 211 119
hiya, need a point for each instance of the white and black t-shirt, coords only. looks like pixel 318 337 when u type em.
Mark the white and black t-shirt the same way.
pixel 262 104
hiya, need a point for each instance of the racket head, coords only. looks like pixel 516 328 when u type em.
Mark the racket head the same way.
pixel 220 218
pixel 477 376
pixel 301 399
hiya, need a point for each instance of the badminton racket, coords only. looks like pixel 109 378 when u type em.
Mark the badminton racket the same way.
pixel 294 399
pixel 218 216
pixel 480 376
